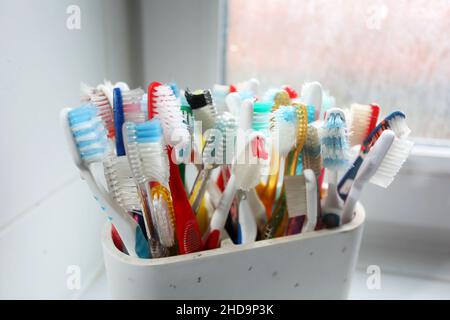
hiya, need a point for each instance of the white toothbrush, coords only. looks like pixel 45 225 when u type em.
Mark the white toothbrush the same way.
pixel 245 175
pixel 86 138
pixel 381 164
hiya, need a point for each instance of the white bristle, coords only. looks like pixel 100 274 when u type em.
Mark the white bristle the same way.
pixel 120 183
pixel 104 109
pixel 132 105
pixel 207 115
pixel 221 140
pixel 392 162
pixel 284 131
pixel 155 162
pixel 296 195
pixel 167 108
pixel 360 118
pixel 400 127
pixel 148 161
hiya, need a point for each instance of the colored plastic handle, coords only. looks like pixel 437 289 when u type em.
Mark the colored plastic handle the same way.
pixel 119 119
pixel 187 229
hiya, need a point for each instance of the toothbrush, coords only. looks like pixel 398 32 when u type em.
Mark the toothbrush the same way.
pixel 268 190
pixel 335 156
pixel 163 104
pixel 363 120
pixel 284 129
pixel 202 107
pixel 149 165
pixel 215 153
pixel 245 175
pixel 247 214
pixel 261 122
pixel 396 121
pixel 116 168
pixel 301 199
pixel 279 222
pixel 87 141
pixel 380 165
pixel 312 159
pixel 100 100
pixel 311 153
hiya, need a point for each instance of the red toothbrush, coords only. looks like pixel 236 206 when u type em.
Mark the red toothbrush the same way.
pixel 163 104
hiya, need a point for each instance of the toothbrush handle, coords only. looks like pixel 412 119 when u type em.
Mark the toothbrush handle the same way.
pixel 247 228
pixel 348 178
pixel 350 203
pixel 295 225
pixel 187 230
pixel 199 189
pixel 221 213
pixel 124 223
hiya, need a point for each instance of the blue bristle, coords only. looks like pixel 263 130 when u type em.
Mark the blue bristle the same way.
pixel 328 101
pixel 286 113
pixel 88 132
pixel 334 142
pixel 149 131
pixel 311 113
pixel 175 89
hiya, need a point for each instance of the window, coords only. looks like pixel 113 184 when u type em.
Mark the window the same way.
pixel 395 53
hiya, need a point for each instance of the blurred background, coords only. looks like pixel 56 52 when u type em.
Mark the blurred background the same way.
pixel 394 53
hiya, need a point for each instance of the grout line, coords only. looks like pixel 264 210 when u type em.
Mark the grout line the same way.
pixel 25 212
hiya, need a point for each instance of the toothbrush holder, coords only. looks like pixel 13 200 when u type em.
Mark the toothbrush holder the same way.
pixel 313 265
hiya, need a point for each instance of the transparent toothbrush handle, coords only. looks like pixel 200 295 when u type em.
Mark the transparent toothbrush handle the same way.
pixel 199 188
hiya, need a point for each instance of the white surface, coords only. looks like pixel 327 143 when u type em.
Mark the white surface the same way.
pixel 408 270
pixel 311 265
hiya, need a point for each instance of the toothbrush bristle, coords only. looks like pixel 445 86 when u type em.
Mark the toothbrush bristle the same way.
pixel 167 108
pixel 399 125
pixel 296 195
pixel 89 133
pixel 147 155
pixel 335 146
pixel 203 107
pixel 120 183
pixel 261 116
pixel 284 127
pixel 311 156
pixel 392 162
pixel 132 105
pixel 220 145
pixel 105 112
pixel 311 113
pixel 361 119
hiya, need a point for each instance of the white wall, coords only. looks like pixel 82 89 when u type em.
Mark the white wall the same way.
pixel 180 42
pixel 48 220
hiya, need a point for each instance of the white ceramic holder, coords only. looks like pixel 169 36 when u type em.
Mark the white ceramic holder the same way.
pixel 313 265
